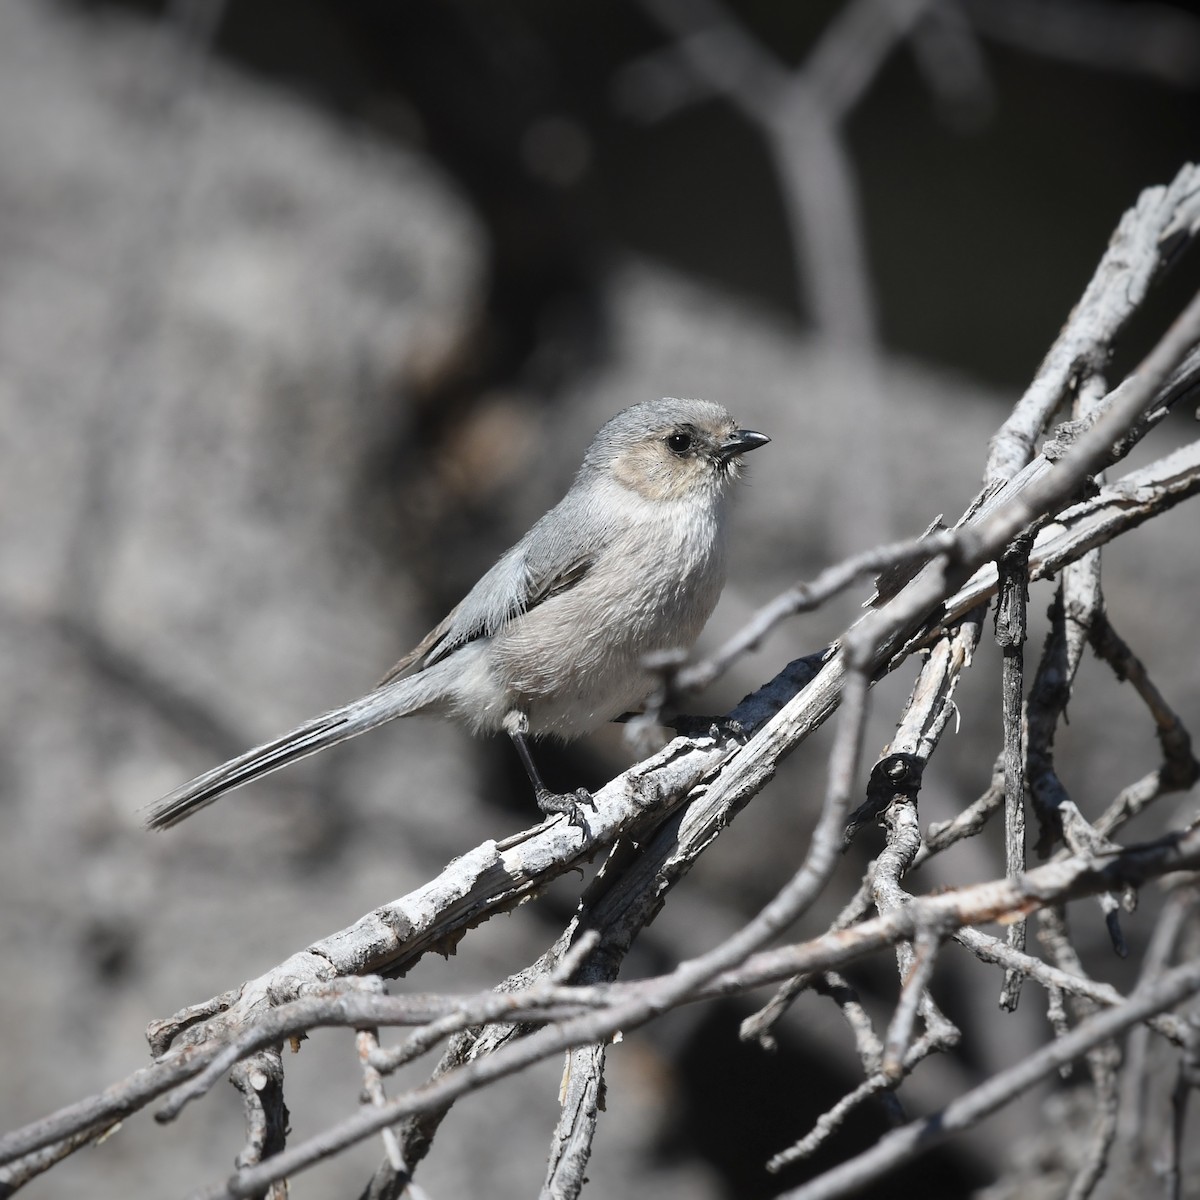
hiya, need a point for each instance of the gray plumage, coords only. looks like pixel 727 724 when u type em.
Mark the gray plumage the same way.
pixel 553 639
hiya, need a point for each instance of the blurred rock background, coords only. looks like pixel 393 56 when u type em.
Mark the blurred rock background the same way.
pixel 308 309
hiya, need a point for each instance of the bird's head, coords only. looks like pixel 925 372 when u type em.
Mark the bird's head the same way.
pixel 672 449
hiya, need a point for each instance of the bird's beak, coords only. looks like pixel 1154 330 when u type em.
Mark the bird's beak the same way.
pixel 739 442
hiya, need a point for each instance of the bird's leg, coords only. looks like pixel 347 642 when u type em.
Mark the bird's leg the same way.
pixel 567 803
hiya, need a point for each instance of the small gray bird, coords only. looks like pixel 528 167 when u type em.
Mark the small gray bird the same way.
pixel 555 638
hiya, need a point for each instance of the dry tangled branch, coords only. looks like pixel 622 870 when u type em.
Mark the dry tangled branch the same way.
pixel 1038 515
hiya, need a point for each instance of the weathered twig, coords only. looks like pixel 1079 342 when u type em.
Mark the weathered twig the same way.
pixel 902 1145
pixel 1180 769
pixel 624 1003
pixel 1010 636
pixel 1146 241
pixel 260 1081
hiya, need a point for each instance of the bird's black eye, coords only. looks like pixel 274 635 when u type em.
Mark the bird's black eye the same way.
pixel 679 443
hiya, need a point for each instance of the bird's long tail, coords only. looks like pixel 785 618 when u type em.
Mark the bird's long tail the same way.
pixel 398 699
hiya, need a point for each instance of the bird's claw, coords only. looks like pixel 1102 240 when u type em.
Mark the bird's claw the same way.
pixel 569 804
pixel 714 727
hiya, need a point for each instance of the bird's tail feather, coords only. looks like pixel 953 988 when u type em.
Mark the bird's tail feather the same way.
pixel 397 699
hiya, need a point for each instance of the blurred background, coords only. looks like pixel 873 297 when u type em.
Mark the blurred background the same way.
pixel 308 309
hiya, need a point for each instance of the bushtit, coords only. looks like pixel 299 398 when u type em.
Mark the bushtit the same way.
pixel 555 638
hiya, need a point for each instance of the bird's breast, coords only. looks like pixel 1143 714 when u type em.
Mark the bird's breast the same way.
pixel 578 659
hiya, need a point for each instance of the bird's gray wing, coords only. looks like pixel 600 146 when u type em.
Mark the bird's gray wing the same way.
pixel 536 568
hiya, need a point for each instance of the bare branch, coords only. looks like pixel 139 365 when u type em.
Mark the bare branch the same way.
pixel 1145 241
pixel 1010 635
pixel 900 1146
pixel 582 1097
pixel 830 1122
pixel 260 1080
